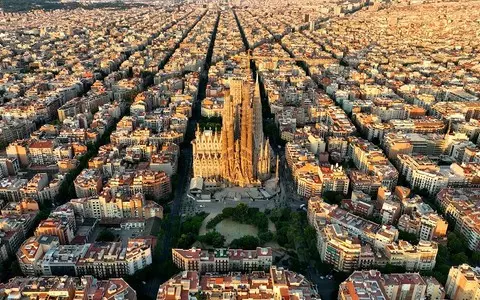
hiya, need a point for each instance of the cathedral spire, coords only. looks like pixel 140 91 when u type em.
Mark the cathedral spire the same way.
pixel 256 93
pixel 276 169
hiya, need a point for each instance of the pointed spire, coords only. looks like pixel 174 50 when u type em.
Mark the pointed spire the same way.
pixel 276 168
pixel 257 87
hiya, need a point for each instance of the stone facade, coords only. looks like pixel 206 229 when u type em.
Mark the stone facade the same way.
pixel 239 155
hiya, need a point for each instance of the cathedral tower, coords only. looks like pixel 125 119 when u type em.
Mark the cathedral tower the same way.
pixel 244 158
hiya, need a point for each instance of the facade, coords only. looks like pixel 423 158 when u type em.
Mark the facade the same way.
pixel 370 159
pixel 17 219
pixel 11 188
pixel 42 153
pixel 463 282
pixel 422 173
pixel 361 181
pixel 41 189
pixel 421 257
pixel 334 179
pixel 312 179
pixel 119 206
pixel 59 227
pixel 350 242
pixel 61 287
pixel 461 204
pixel 239 155
pixel 275 284
pixel 43 255
pixel 154 185
pixel 321 214
pixel 222 260
pixel 374 285
pixel 88 183
pixel 338 249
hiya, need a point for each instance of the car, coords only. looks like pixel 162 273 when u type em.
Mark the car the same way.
pixel 201 206
pixel 321 277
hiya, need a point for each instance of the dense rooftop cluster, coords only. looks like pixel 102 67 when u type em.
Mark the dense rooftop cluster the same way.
pixel 369 108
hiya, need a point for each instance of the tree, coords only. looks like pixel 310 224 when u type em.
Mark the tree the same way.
pixel 333 197
pixel 260 220
pixel 442 255
pixel 247 242
pixel 106 236
pixel 389 269
pixel 409 237
pixel 217 219
pixel 455 244
pixel 265 237
pixel 459 258
pixel 476 258
pixel 189 229
pixel 213 238
pixel 281 236
pixel 186 240
pixel 241 213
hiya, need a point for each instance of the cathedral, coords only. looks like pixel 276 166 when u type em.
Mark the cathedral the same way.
pixel 239 155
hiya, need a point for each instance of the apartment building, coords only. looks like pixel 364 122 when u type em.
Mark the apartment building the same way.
pixel 422 173
pixel 32 250
pixel 413 143
pixel 41 152
pixel 9 166
pixel 421 257
pixel 349 227
pixel 222 260
pixel 11 188
pixel 167 160
pixel 463 282
pixel 320 214
pixel 334 179
pixel 426 224
pixel 18 150
pixel 15 129
pixel 26 205
pixel 424 125
pixel 44 255
pixel 278 283
pixel 310 178
pixel 461 204
pixel 361 181
pixel 116 206
pixel 338 249
pixel 66 287
pixel 337 145
pixel 41 188
pixel 374 285
pixel 360 204
pixel 154 185
pixel 370 159
pixel 88 183
pixel 17 219
pixel 58 227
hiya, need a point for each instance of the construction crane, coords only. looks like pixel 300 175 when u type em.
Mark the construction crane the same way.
pixel 322 60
